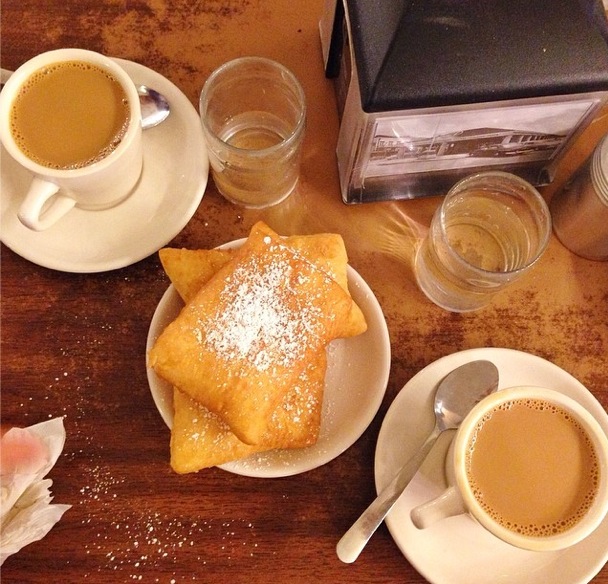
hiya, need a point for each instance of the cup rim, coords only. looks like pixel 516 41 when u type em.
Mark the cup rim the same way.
pixel 234 64
pixel 545 222
pixel 599 507
pixel 25 71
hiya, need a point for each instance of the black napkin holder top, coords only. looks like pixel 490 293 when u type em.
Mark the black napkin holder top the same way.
pixel 430 91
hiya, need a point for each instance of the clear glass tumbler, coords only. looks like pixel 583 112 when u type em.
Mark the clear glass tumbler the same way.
pixel 253 114
pixel 489 230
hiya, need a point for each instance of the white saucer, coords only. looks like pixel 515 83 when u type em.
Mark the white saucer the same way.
pixel 457 550
pixel 355 383
pixel 170 190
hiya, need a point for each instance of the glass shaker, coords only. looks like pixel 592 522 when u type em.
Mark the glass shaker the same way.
pixel 580 210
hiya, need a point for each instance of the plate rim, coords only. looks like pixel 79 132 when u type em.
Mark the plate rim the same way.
pixel 355 282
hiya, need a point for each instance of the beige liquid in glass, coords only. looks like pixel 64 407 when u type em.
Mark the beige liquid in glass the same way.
pixel 255 138
pixel 532 468
pixel 69 115
pixel 254 172
pixel 487 231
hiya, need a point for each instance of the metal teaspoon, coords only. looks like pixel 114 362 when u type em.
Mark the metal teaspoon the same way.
pixel 154 106
pixel 455 396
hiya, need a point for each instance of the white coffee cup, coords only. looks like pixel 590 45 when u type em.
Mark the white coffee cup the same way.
pixel 99 185
pixel 460 498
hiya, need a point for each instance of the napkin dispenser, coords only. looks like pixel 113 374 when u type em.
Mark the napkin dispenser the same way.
pixel 429 91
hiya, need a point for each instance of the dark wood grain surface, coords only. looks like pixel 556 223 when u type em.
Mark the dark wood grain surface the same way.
pixel 73 345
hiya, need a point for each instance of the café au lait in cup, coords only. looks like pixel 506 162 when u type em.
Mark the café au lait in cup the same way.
pixel 72 118
pixel 529 465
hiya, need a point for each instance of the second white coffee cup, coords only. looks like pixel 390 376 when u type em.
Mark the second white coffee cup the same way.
pixel 530 465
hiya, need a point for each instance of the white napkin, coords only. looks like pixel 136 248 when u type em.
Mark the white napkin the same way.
pixel 26 456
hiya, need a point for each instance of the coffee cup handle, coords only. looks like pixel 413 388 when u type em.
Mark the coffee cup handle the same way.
pixel 448 504
pixel 42 206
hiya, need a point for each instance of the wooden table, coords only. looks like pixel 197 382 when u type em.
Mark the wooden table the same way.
pixel 73 344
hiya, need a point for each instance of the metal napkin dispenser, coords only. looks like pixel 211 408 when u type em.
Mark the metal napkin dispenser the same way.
pixel 432 90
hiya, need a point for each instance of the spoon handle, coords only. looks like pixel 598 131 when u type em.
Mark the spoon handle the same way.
pixel 353 541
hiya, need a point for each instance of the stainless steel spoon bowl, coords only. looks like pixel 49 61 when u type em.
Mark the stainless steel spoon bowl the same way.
pixel 154 107
pixel 455 396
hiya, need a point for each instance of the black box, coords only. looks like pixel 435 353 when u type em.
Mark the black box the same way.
pixel 430 91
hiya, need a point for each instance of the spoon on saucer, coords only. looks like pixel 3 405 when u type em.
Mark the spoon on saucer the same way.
pixel 455 396
pixel 154 106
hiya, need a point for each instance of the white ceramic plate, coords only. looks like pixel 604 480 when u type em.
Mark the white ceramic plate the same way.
pixel 355 383
pixel 457 550
pixel 170 190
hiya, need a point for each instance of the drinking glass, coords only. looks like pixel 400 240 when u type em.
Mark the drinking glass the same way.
pixel 253 113
pixel 489 231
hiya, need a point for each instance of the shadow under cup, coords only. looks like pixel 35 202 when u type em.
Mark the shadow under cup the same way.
pixel 489 230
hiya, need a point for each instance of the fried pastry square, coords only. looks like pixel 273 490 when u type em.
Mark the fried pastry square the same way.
pixel 189 270
pixel 248 334
pixel 199 438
